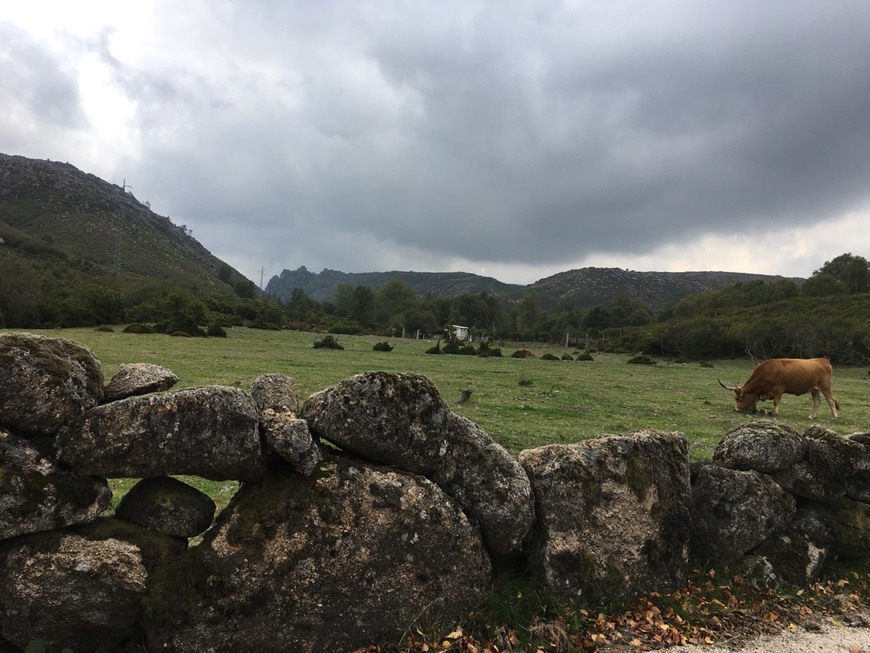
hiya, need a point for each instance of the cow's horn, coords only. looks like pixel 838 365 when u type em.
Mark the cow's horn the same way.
pixel 726 387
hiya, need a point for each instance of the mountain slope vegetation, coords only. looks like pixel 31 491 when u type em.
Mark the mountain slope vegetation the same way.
pixel 70 241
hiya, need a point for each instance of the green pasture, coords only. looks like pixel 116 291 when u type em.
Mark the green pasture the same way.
pixel 521 403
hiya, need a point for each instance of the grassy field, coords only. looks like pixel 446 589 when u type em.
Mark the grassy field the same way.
pixel 521 403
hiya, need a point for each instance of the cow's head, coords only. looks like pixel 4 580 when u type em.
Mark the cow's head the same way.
pixel 742 401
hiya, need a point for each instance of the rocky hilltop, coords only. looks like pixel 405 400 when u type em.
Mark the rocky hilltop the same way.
pixel 589 287
pixel 584 288
pixel 56 220
pixel 322 286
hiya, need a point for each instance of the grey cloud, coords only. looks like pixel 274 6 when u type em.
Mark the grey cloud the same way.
pixel 35 84
pixel 515 132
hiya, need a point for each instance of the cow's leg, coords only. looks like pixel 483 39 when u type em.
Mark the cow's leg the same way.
pixel 829 396
pixel 776 399
pixel 816 401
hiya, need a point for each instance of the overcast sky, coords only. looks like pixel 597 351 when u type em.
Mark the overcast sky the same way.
pixel 511 139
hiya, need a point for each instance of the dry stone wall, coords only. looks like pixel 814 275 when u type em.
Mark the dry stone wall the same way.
pixel 369 508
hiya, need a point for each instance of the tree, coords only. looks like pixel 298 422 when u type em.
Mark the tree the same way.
pixel 343 299
pixel 821 285
pixel 19 292
pixel 300 305
pixel 472 311
pixel 528 315
pixel 394 297
pixel 245 288
pixel 363 309
pixel 183 314
pixel 103 304
pixel 598 318
pixel 225 273
pixel 852 272
pixel 422 320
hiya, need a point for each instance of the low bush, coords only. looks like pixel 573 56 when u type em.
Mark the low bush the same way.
pixel 485 350
pixel 328 342
pixel 139 327
pixel 382 346
pixel 641 360
pixel 267 326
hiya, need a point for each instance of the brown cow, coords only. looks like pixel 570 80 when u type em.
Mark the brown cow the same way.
pixel 795 376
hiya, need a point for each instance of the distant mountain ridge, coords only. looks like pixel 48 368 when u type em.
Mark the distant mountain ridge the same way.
pixel 323 285
pixel 584 288
pixel 589 287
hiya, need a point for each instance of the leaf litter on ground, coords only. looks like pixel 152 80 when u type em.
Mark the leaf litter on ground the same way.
pixel 712 609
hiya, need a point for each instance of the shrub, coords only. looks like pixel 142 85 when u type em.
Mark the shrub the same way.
pixel 584 356
pixel 485 350
pixel 436 349
pixel 525 382
pixel 549 357
pixel 328 342
pixel 216 330
pixel 179 329
pixel 105 329
pixel 467 350
pixel 452 346
pixel 567 357
pixel 267 326
pixel 342 328
pixel 641 360
pixel 522 353
pixel 382 346
pixel 139 327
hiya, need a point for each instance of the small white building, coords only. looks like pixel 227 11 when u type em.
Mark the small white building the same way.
pixel 461 332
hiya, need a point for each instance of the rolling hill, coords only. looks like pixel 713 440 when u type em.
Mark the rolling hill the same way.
pixel 65 226
pixel 584 288
pixel 323 285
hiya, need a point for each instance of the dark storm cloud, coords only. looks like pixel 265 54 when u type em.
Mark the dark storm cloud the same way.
pixel 675 123
pixel 368 135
